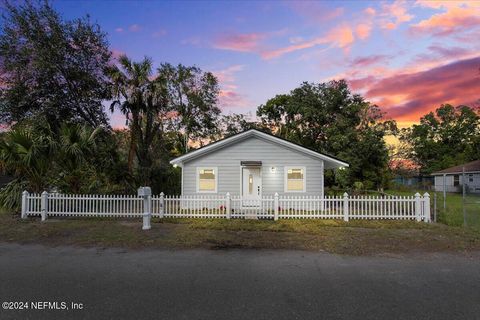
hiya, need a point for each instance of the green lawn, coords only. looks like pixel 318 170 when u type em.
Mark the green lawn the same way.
pixel 453 215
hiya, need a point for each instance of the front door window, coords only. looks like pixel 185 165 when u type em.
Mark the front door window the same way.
pixel 251 183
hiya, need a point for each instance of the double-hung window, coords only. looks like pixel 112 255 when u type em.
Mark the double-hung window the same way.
pixel 207 180
pixel 295 179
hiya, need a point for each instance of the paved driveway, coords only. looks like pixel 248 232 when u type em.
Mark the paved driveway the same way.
pixel 237 284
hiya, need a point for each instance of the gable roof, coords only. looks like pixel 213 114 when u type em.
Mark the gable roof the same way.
pixel 473 166
pixel 258 134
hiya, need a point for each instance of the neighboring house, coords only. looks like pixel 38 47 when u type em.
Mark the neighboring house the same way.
pixel 252 164
pixel 453 178
pixel 407 173
pixel 415 181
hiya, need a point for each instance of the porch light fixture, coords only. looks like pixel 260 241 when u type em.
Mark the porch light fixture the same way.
pixel 175 165
pixel 273 169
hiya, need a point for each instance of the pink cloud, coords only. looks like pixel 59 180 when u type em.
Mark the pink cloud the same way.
pixel 244 42
pixel 232 99
pixel 228 74
pixel 437 51
pixel 370 11
pixel 394 14
pixel 372 68
pixel 360 83
pixel 135 28
pixel 119 30
pixel 363 30
pixel 411 95
pixel 229 97
pixel 340 37
pixel 369 60
pixel 454 20
pixel 316 11
pixel 438 55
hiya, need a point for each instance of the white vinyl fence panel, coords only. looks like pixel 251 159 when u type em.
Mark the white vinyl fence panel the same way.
pixel 261 209
pixel 94 205
pixel 388 207
pixel 224 206
pixel 34 205
pixel 310 207
pixel 56 204
pixel 198 206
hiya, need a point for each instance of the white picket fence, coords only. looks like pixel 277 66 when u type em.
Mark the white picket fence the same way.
pixel 275 207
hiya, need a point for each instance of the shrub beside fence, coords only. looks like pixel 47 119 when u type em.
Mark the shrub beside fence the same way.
pixel 275 207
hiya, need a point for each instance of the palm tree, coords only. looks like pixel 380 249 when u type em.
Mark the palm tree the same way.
pixel 39 159
pixel 25 155
pixel 77 144
pixel 139 98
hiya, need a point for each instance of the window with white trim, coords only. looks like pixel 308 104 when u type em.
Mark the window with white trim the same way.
pixel 207 179
pixel 294 179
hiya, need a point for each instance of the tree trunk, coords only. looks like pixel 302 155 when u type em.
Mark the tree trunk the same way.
pixel 133 142
pixel 131 152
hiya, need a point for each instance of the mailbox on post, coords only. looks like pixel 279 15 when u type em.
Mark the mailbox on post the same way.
pixel 144 191
pixel 146 194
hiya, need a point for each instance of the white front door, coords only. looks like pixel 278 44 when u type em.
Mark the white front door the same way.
pixel 251 185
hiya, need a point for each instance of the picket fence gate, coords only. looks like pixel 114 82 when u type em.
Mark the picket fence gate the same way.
pixel 274 207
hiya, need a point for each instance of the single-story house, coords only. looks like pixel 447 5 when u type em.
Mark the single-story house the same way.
pixel 452 178
pixel 415 181
pixel 253 164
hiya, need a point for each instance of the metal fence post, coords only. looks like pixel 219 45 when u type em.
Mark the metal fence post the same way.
pixel 228 206
pixel 162 204
pixel 147 212
pixel 345 206
pixel 417 207
pixel 44 205
pixel 444 193
pixel 426 207
pixel 24 204
pixel 275 205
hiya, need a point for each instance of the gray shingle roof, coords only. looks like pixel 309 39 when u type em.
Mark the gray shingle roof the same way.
pixel 473 166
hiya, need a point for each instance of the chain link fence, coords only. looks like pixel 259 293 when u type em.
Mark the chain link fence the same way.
pixel 457 209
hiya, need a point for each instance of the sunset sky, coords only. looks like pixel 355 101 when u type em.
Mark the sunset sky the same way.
pixel 408 57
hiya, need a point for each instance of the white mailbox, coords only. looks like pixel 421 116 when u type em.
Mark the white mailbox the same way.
pixel 144 191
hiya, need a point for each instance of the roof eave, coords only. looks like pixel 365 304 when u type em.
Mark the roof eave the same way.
pixel 456 172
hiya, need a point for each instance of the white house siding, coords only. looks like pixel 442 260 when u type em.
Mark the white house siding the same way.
pixel 448 184
pixel 472 183
pixel 227 160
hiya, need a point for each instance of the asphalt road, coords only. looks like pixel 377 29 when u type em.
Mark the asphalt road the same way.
pixel 236 284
